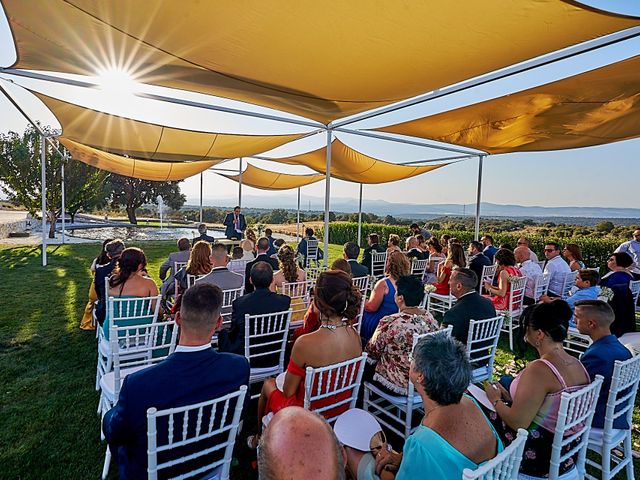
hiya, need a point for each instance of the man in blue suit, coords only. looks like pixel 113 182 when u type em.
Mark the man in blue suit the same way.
pixel 235 224
pixel 194 373
pixel 594 318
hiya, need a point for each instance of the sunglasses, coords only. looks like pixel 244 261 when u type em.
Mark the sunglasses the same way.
pixel 549 249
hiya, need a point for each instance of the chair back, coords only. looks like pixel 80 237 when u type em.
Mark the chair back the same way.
pixel 418 267
pixel 488 274
pixel 516 296
pixel 192 279
pixel 362 283
pixel 634 286
pixel 378 263
pixel 482 341
pixel 595 269
pixel 132 310
pixel 178 265
pixel 266 336
pixel 312 273
pixel 542 263
pixel 197 431
pixel 416 338
pixel 238 266
pixel 298 292
pixel 541 285
pixel 357 324
pixel 504 466
pixel 312 251
pixel 571 436
pixel 567 284
pixel 333 389
pixel 622 393
pixel 228 296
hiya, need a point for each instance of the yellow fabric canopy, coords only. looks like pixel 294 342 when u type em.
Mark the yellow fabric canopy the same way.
pixel 322 60
pixel 266 180
pixel 593 108
pixel 131 167
pixel 139 139
pixel 352 166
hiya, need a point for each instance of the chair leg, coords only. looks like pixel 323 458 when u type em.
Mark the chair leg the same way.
pixel 107 462
pixel 628 455
pixel 511 334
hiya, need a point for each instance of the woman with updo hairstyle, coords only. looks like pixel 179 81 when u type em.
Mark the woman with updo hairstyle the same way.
pixel 506 269
pixel 533 398
pixel 393 243
pixel 129 280
pixel 336 300
pixel 199 263
pixel 289 271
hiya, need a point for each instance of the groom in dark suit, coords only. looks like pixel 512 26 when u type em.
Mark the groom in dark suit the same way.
pixel 194 373
pixel 235 223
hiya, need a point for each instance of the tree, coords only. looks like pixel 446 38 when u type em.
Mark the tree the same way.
pixel 20 174
pixel 132 193
pixel 605 227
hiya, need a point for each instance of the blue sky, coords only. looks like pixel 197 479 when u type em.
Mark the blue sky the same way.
pixel 597 176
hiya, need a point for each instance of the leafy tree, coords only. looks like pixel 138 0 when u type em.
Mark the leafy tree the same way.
pixel 605 227
pixel 132 193
pixel 21 177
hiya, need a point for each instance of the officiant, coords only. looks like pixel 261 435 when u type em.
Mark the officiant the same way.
pixel 235 224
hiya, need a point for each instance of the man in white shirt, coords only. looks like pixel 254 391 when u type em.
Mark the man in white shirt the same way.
pixel 632 247
pixel 556 267
pixel 529 269
pixel 524 241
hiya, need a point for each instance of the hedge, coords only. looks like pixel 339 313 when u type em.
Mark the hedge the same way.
pixel 594 251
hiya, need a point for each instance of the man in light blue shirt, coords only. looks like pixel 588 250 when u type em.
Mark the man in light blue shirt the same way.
pixel 588 289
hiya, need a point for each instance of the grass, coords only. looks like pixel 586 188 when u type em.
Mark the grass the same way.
pixel 48 422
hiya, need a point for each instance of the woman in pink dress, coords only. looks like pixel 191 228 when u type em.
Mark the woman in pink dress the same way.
pixel 506 262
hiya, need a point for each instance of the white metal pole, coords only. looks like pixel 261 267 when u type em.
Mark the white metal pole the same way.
pixel 327 194
pixel 478 195
pixel 64 158
pixel 43 170
pixel 201 181
pixel 240 183
pixel 360 218
pixel 298 220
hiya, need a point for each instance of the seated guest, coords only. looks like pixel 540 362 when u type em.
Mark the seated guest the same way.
pixel 381 301
pixel 268 233
pixel 556 267
pixel 455 259
pixel 390 346
pixel 293 443
pixel 262 247
pixel 251 236
pixel 237 253
pixel 114 249
pixel 489 249
pixel 101 260
pixel 202 230
pixel 413 251
pixel 181 256
pixel 444 241
pixel 199 264
pixel 618 265
pixel 572 253
pixel 302 246
pixel 632 248
pixel 422 245
pixel 455 240
pixel 435 255
pixel 533 399
pixel 372 246
pixel 477 260
pixel 350 252
pixel 259 301
pixel 470 305
pixel 506 269
pixel 343 265
pixel 594 318
pixel 336 299
pixel 248 248
pixel 454 434
pixel 194 373
pixel 587 289
pixel 220 274
pixel 288 269
pixel 529 269
pixel 393 244
pixel 524 242
pixel 277 243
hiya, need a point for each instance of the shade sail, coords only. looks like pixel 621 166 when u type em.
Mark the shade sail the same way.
pixel 131 167
pixel 266 180
pixel 594 108
pixel 322 60
pixel 352 166
pixel 138 139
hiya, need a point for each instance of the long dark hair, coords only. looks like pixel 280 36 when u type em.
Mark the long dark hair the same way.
pixel 128 265
pixel 103 258
pixel 552 318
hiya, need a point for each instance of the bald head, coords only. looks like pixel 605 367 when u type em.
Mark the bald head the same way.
pixel 300 444
pixel 412 242
pixel 522 254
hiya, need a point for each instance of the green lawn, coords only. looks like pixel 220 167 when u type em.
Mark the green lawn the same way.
pixel 48 422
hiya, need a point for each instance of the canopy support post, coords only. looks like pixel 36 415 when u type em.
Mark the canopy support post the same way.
pixel 43 190
pixel 240 183
pixel 327 194
pixel 64 159
pixel 478 195
pixel 201 182
pixel 360 218
pixel 298 219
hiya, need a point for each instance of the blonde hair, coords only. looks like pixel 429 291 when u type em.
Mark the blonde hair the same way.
pixel 397 265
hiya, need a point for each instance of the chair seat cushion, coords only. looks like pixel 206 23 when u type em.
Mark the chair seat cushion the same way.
pixel 107 382
pixel 596 437
pixel 395 399
pixel 256 374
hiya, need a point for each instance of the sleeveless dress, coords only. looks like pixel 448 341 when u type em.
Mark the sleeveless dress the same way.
pixel 537 450
pixel 502 303
pixel 387 307
pixel 442 288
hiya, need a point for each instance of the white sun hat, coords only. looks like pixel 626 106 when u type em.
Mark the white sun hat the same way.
pixel 355 428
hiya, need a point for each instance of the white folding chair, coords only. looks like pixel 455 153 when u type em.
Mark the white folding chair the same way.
pixel 540 285
pixel 622 394
pixel 568 283
pixel 634 286
pixel 196 425
pixel 595 269
pixel 396 411
pixel 312 273
pixel 228 296
pixel 299 294
pixel 576 342
pixel 266 336
pixel 363 283
pixel 542 263
pixel 418 267
pixel 573 426
pixel 123 311
pixel 333 389
pixel 378 264
pixel 238 266
pixel 516 302
pixel 482 342
pixel 504 466
pixel 144 345
pixel 192 279
pixel 488 274
pixel 437 303
pixel 312 252
pixel 177 266
pixel 357 324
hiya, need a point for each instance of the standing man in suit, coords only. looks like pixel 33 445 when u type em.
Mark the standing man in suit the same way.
pixel 469 305
pixel 477 260
pixel 373 246
pixel 182 255
pixel 194 373
pixel 350 253
pixel 262 248
pixel 235 223
pixel 220 275
pixel 260 301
